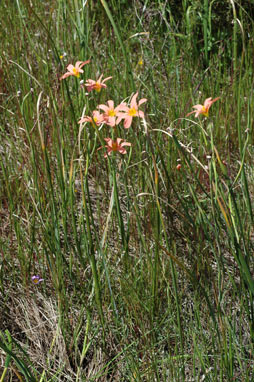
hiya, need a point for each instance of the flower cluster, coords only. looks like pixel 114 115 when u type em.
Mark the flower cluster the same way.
pixel 112 115
pixel 108 114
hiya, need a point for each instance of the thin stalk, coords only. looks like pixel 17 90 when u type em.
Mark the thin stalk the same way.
pixel 235 27
pixel 157 236
pixel 118 208
pixel 118 35
pixel 205 30
pixel 91 249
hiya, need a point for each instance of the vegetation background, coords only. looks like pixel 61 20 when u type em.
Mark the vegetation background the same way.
pixel 146 258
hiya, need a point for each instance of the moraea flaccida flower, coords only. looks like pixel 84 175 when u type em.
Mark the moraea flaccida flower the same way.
pixel 75 70
pixel 115 146
pixel 96 85
pixel 36 279
pixel 132 111
pixel 203 109
pixel 97 118
pixel 111 112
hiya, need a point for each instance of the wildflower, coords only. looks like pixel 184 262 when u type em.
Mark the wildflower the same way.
pixel 132 111
pixel 75 70
pixel 36 279
pixel 140 62
pixel 178 167
pixel 115 146
pixel 111 112
pixel 97 118
pixel 203 109
pixel 63 55
pixel 96 85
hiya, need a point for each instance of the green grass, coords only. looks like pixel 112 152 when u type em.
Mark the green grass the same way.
pixel 147 268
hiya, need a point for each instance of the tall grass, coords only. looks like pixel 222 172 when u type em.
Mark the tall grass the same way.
pixel 147 257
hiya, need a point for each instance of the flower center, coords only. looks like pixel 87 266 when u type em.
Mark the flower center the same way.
pixel 97 87
pixel 95 119
pixel 114 146
pixel 75 72
pixel 111 113
pixel 205 111
pixel 132 112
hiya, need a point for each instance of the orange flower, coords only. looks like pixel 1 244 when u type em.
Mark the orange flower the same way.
pixel 111 112
pixel 75 70
pixel 96 85
pixel 203 109
pixel 115 146
pixel 132 111
pixel 97 118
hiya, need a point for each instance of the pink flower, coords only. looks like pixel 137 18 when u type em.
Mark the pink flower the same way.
pixel 111 112
pixel 203 109
pixel 132 111
pixel 96 85
pixel 36 279
pixel 97 118
pixel 75 70
pixel 115 146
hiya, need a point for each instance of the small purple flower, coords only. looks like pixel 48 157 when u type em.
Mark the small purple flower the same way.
pixel 36 279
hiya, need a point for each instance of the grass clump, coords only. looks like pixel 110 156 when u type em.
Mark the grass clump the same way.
pixel 126 220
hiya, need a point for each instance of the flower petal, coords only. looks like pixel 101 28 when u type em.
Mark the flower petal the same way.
pixel 134 101
pixel 143 100
pixel 108 140
pixel 111 104
pixel 122 150
pixel 66 75
pixel 192 112
pixel 103 107
pixel 85 119
pixel 70 67
pixel 106 79
pixel 118 141
pixel 207 102
pixel 126 144
pixel 121 107
pixel 141 114
pixel 198 107
pixel 127 122
pixel 80 64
